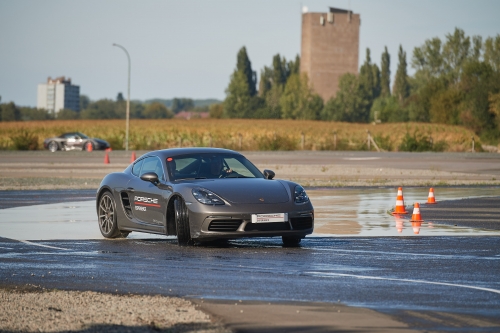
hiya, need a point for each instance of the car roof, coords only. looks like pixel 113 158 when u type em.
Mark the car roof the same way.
pixel 172 152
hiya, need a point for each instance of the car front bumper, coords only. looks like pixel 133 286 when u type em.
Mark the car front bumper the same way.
pixel 215 222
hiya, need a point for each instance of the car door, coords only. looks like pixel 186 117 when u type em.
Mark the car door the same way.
pixel 78 142
pixel 70 141
pixel 145 197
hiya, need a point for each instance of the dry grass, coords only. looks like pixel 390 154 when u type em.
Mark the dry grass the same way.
pixel 228 133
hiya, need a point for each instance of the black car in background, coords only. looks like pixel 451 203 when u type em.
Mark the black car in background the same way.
pixel 75 141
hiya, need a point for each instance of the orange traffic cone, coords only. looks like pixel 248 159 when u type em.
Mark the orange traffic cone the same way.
pixel 416 227
pixel 416 217
pixel 88 147
pixel 431 199
pixel 133 157
pixel 400 203
pixel 106 158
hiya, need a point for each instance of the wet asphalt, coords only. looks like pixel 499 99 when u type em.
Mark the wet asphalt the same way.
pixel 419 280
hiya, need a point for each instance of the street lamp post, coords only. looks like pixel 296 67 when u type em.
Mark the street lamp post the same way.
pixel 128 97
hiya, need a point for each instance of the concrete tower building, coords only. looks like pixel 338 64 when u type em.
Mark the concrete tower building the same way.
pixel 330 48
pixel 58 94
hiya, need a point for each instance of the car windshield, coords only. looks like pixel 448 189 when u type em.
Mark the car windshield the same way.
pixel 211 166
pixel 81 135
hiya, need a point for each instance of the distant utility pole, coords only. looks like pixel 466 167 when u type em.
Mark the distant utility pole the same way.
pixel 128 98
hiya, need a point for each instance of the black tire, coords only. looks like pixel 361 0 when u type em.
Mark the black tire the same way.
pixel 107 219
pixel 86 146
pixel 291 241
pixel 182 222
pixel 53 146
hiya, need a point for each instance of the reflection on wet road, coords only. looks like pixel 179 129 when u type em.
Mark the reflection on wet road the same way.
pixel 59 246
pixel 458 274
pixel 338 212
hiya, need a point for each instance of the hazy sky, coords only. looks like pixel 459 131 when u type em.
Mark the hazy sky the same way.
pixel 188 48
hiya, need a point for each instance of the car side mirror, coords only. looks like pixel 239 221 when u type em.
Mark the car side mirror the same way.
pixel 150 177
pixel 269 174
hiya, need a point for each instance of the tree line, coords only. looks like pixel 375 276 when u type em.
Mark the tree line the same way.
pixel 456 81
pixel 105 109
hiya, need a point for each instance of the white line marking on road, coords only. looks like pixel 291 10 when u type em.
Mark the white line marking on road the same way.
pixel 444 256
pixel 324 274
pixel 361 158
pixel 42 245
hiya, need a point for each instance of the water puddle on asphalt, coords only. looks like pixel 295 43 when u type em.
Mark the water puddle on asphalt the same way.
pixel 364 212
pixel 338 212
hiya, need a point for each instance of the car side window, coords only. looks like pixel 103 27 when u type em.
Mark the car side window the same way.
pixel 153 164
pixel 137 168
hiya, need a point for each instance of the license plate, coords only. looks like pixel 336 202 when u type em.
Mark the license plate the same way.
pixel 270 218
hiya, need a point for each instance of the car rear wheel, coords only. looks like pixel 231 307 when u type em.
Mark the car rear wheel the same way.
pixel 182 222
pixel 291 241
pixel 53 146
pixel 107 217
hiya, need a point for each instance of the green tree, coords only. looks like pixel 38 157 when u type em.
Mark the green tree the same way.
pixel 182 104
pixel 492 52
pixel 238 100
pixel 265 82
pixel 119 97
pixel 456 51
pixel 102 109
pixel 298 101
pixel 67 114
pixel 349 104
pixel 478 82
pixel 28 114
pixel 216 111
pixel 10 112
pixel 157 111
pixel 401 88
pixel 245 66
pixel 279 73
pixel 388 109
pixel 385 75
pixel 84 102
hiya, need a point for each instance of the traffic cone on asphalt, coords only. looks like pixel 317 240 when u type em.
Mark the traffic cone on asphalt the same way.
pixel 416 227
pixel 431 199
pixel 106 158
pixel 400 203
pixel 416 217
pixel 133 157
pixel 89 147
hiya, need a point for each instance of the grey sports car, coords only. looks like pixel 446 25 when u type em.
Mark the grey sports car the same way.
pixel 202 194
pixel 74 141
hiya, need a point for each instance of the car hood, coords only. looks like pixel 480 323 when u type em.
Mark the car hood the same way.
pixel 248 191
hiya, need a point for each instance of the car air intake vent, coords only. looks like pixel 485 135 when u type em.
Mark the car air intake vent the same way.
pixel 300 223
pixel 224 225
pixel 126 204
pixel 279 226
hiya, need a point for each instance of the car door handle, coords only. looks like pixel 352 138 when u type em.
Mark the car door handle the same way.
pixel 130 189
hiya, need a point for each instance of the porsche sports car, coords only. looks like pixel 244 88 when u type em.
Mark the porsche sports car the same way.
pixel 202 194
pixel 74 141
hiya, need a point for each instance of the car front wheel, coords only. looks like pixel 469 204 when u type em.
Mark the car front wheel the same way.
pixel 107 217
pixel 182 222
pixel 53 146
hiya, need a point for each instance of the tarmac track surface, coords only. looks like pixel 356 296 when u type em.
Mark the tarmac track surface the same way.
pixel 405 277
pixel 430 283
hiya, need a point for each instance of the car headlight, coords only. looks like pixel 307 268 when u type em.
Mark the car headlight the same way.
pixel 206 197
pixel 300 195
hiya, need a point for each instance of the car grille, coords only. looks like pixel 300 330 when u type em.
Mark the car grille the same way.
pixel 300 223
pixel 224 225
pixel 279 226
